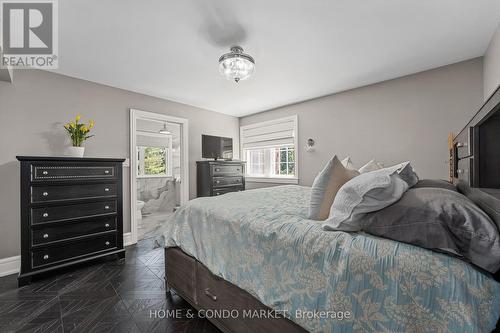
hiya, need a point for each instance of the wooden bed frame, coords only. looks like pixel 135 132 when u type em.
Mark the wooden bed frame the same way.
pixel 475 157
pixel 205 291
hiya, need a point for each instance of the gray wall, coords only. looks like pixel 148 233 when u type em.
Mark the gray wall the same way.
pixel 32 111
pixel 403 119
pixel 492 65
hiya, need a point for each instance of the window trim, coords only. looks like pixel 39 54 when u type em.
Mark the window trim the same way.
pixel 274 179
pixel 280 180
pixel 155 176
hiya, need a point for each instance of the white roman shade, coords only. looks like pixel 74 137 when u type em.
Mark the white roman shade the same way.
pixel 269 134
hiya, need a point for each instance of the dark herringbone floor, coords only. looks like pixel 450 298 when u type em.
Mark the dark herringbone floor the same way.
pixel 109 296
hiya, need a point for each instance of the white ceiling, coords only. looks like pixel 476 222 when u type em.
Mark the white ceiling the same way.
pixel 303 49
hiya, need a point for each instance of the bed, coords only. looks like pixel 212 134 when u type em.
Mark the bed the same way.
pixel 256 250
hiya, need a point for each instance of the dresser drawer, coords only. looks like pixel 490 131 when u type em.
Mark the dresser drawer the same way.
pixel 218 170
pixel 47 234
pixel 40 172
pixel 68 212
pixel 464 170
pixel 214 293
pixel 71 192
pixel 55 254
pixel 224 190
pixel 226 181
pixel 464 143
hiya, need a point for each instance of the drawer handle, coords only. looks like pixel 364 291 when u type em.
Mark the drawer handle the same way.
pixel 217 169
pixel 106 189
pixel 106 207
pixel 45 173
pixel 217 193
pixel 107 225
pixel 217 181
pixel 45 194
pixel 106 172
pixel 210 295
pixel 46 257
pixel 45 236
pixel 460 145
pixel 107 243
pixel 45 215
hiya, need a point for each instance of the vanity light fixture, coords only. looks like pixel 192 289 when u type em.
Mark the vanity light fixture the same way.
pixel 164 130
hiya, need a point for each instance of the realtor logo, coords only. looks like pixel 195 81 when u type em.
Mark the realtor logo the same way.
pixel 29 33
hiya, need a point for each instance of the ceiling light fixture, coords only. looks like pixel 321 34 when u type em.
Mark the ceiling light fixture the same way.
pixel 164 130
pixel 236 65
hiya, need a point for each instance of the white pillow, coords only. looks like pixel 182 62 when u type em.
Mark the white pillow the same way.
pixel 347 163
pixel 368 193
pixel 371 166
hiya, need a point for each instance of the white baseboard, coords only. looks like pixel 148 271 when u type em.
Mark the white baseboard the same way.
pixel 127 239
pixel 10 265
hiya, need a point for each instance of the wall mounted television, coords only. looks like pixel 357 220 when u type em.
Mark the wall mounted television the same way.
pixel 216 147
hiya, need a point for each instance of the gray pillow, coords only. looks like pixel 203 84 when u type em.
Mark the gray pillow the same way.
pixel 436 183
pixel 442 220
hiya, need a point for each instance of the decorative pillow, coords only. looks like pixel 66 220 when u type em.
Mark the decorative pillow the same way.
pixel 436 183
pixel 367 193
pixel 371 166
pixel 439 219
pixel 325 187
pixel 347 163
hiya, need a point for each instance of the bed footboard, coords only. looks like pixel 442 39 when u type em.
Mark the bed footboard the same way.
pixel 205 291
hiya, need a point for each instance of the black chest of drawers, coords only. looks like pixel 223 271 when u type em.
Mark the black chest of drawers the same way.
pixel 219 177
pixel 71 212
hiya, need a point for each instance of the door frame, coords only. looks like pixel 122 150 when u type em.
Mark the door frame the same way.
pixel 136 114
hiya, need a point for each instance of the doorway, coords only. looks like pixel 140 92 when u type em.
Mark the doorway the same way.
pixel 159 173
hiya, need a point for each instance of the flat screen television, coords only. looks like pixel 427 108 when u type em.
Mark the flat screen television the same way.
pixel 216 147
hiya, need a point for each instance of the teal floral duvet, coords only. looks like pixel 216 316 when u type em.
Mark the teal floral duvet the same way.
pixel 262 242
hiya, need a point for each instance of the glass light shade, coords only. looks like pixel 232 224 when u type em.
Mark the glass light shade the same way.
pixel 236 65
pixel 164 130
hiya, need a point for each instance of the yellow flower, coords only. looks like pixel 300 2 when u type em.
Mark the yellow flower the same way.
pixel 72 124
pixel 78 117
pixel 91 124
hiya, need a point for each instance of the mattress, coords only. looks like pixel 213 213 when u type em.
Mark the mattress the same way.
pixel 261 241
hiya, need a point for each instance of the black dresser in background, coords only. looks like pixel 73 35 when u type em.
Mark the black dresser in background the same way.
pixel 71 212
pixel 219 177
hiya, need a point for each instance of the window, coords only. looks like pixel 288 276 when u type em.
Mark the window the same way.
pixel 269 148
pixel 284 161
pixel 154 155
pixel 152 161
pixel 255 162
